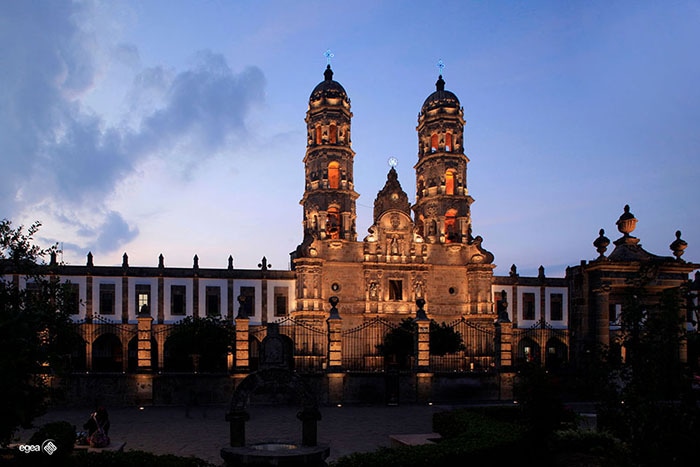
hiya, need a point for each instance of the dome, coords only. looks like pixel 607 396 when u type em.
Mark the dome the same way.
pixel 328 88
pixel 440 98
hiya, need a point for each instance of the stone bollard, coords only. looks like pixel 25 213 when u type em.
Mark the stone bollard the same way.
pixel 309 417
pixel 237 420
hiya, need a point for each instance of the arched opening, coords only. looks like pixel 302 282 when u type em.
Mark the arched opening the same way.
pixel 450 181
pixel 333 223
pixel 448 142
pixel 528 351
pixel 556 356
pixel 319 134
pixel 332 134
pixel 433 142
pixel 451 235
pixel 334 175
pixel 107 353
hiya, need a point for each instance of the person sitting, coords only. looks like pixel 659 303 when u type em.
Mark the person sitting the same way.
pixel 98 419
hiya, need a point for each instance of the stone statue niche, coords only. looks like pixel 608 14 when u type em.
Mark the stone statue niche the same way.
pixel 275 377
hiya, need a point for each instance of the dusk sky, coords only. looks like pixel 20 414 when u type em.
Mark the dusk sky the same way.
pixel 177 127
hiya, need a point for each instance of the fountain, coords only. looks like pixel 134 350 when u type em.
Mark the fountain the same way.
pixel 275 376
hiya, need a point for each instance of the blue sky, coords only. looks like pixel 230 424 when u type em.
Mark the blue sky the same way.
pixel 177 127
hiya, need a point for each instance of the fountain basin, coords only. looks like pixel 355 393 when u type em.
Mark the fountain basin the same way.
pixel 283 454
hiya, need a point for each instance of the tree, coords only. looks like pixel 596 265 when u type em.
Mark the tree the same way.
pixel 639 401
pixel 36 332
pixel 399 343
pixel 201 342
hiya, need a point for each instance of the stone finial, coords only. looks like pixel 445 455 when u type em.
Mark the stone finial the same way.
pixel 241 308
pixel 513 271
pixel 540 272
pixel 420 312
pixel 264 264
pixel 626 225
pixel 334 308
pixel 89 259
pixel 678 246
pixel 230 262
pixel 195 262
pixel 601 243
pixel 125 261
pixel 161 261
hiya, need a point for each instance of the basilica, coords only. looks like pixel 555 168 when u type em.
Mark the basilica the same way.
pixel 420 263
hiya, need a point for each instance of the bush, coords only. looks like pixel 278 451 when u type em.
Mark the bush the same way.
pixel 590 448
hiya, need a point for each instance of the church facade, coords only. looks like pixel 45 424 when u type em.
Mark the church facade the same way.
pixel 344 294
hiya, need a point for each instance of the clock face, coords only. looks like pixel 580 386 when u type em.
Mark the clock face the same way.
pixel 393 162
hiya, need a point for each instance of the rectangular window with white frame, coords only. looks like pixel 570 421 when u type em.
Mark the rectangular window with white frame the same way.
pixel 107 299
pixel 213 300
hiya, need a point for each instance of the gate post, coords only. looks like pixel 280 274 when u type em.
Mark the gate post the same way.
pixel 335 354
pixel 242 328
pixel 424 378
pixel 422 336
pixel 504 350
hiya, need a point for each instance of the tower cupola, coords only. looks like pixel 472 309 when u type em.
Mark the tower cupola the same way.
pixel 329 193
pixel 442 209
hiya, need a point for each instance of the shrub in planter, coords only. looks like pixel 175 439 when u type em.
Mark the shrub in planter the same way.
pixel 62 434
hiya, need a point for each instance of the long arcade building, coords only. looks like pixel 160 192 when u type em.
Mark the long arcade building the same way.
pixel 422 251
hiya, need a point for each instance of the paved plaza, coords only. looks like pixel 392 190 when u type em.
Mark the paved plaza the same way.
pixel 202 431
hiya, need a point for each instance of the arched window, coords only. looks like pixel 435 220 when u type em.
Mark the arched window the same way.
pixel 448 142
pixel 333 134
pixel 450 182
pixel 433 142
pixel 334 175
pixel 318 134
pixel 333 223
pixel 451 226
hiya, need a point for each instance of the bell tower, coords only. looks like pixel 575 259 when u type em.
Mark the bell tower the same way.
pixel 329 194
pixel 442 208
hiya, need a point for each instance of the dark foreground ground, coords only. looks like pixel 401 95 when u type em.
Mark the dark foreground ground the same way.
pixel 203 431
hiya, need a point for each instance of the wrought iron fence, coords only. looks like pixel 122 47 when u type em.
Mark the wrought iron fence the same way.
pixel 478 352
pixel 361 346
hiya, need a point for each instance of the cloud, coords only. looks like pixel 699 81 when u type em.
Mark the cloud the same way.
pixel 56 151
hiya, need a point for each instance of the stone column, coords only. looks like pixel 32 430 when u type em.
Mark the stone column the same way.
pixel 602 305
pixel 309 417
pixel 237 420
pixel 422 336
pixel 242 346
pixel 144 353
pixel 335 375
pixel 335 345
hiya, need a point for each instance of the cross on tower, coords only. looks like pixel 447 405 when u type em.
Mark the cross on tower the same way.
pixel 328 54
pixel 440 66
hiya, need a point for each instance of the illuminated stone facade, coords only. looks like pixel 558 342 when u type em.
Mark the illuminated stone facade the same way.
pixel 431 255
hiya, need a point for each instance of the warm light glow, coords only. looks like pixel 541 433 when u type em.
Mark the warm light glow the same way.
pixel 450 182
pixel 334 175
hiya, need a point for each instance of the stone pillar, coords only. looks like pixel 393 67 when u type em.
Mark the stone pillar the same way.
pixel 336 387
pixel 144 389
pixel 309 425
pixel 424 387
pixel 602 314
pixel 144 353
pixel 422 336
pixel 242 348
pixel 335 345
pixel 237 420
pixel 506 344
